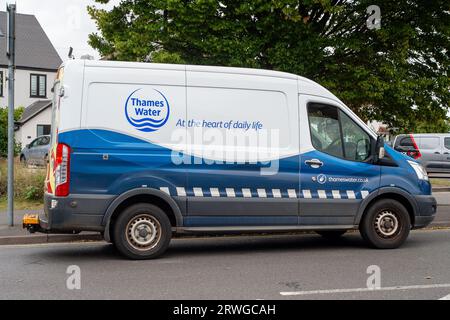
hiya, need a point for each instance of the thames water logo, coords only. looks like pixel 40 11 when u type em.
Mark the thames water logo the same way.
pixel 321 178
pixel 147 110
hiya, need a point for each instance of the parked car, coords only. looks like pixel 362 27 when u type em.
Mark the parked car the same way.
pixel 432 150
pixel 142 151
pixel 36 153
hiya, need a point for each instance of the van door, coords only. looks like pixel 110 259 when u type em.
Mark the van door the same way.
pixel 337 173
pixel 242 135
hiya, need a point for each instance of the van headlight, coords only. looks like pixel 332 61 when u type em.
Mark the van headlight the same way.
pixel 420 171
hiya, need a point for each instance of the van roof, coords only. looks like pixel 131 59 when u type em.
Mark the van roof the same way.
pixel 306 86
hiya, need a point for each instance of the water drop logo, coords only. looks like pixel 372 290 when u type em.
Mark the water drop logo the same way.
pixel 148 110
pixel 321 178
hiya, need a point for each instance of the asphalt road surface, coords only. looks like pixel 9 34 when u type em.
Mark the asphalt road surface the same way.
pixel 256 267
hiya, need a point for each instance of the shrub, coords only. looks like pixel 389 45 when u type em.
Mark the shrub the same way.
pixel 28 182
pixel 4 130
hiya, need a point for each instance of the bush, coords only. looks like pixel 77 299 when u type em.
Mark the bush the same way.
pixel 4 130
pixel 28 182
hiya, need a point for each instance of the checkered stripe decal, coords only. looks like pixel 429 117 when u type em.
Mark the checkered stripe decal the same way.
pixel 264 193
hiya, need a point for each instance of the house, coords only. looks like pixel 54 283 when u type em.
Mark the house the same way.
pixel 37 63
pixel 35 122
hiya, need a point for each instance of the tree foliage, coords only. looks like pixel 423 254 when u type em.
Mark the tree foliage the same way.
pixel 398 74
pixel 4 130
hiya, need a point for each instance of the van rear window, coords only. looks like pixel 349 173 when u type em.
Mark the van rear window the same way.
pixel 447 143
pixel 406 142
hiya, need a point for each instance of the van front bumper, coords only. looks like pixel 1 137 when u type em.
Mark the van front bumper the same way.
pixel 426 210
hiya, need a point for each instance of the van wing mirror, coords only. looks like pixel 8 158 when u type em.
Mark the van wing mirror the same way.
pixel 379 151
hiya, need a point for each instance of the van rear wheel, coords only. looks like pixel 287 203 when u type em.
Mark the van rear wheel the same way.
pixel 142 231
pixel 386 224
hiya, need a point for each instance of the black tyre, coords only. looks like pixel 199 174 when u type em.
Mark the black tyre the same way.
pixel 386 224
pixel 23 160
pixel 332 234
pixel 142 231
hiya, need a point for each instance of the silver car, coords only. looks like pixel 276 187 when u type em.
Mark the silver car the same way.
pixel 432 150
pixel 36 153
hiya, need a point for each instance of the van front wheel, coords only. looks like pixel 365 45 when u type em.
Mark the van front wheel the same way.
pixel 386 224
pixel 142 231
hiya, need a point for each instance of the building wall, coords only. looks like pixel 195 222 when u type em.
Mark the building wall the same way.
pixel 28 131
pixel 22 87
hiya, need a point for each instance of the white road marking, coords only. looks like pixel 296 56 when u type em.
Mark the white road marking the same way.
pixel 447 297
pixel 331 291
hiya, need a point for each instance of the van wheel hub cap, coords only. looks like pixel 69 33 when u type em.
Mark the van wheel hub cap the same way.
pixel 143 232
pixel 386 224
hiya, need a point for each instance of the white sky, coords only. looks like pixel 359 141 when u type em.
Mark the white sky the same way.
pixel 66 22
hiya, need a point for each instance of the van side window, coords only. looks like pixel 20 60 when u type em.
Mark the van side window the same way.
pixel 406 142
pixel 356 140
pixel 325 129
pixel 335 133
pixel 447 143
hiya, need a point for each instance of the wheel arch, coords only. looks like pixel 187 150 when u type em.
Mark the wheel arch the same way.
pixel 142 195
pixel 400 195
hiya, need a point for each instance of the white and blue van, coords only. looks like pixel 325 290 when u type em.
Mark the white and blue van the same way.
pixel 141 151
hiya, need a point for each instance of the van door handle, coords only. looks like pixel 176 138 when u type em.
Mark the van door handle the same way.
pixel 314 163
pixel 437 152
pixel 446 153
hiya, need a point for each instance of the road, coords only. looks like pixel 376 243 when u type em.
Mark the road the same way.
pixel 256 267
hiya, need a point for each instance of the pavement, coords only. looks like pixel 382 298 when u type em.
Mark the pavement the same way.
pixel 18 235
pixel 257 267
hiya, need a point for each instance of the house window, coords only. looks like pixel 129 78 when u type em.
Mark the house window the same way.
pixel 38 86
pixel 43 129
pixel 1 83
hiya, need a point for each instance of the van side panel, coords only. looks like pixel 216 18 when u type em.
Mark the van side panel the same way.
pixel 248 173
pixel 128 132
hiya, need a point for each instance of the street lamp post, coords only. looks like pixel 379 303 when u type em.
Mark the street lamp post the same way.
pixel 11 37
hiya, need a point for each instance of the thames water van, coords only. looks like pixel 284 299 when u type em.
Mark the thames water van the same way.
pixel 142 151
pixel 431 150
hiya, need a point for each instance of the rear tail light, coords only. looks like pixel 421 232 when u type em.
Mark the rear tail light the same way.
pixel 416 153
pixel 61 170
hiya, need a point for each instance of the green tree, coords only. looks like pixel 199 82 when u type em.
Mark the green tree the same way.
pixel 397 74
pixel 4 130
